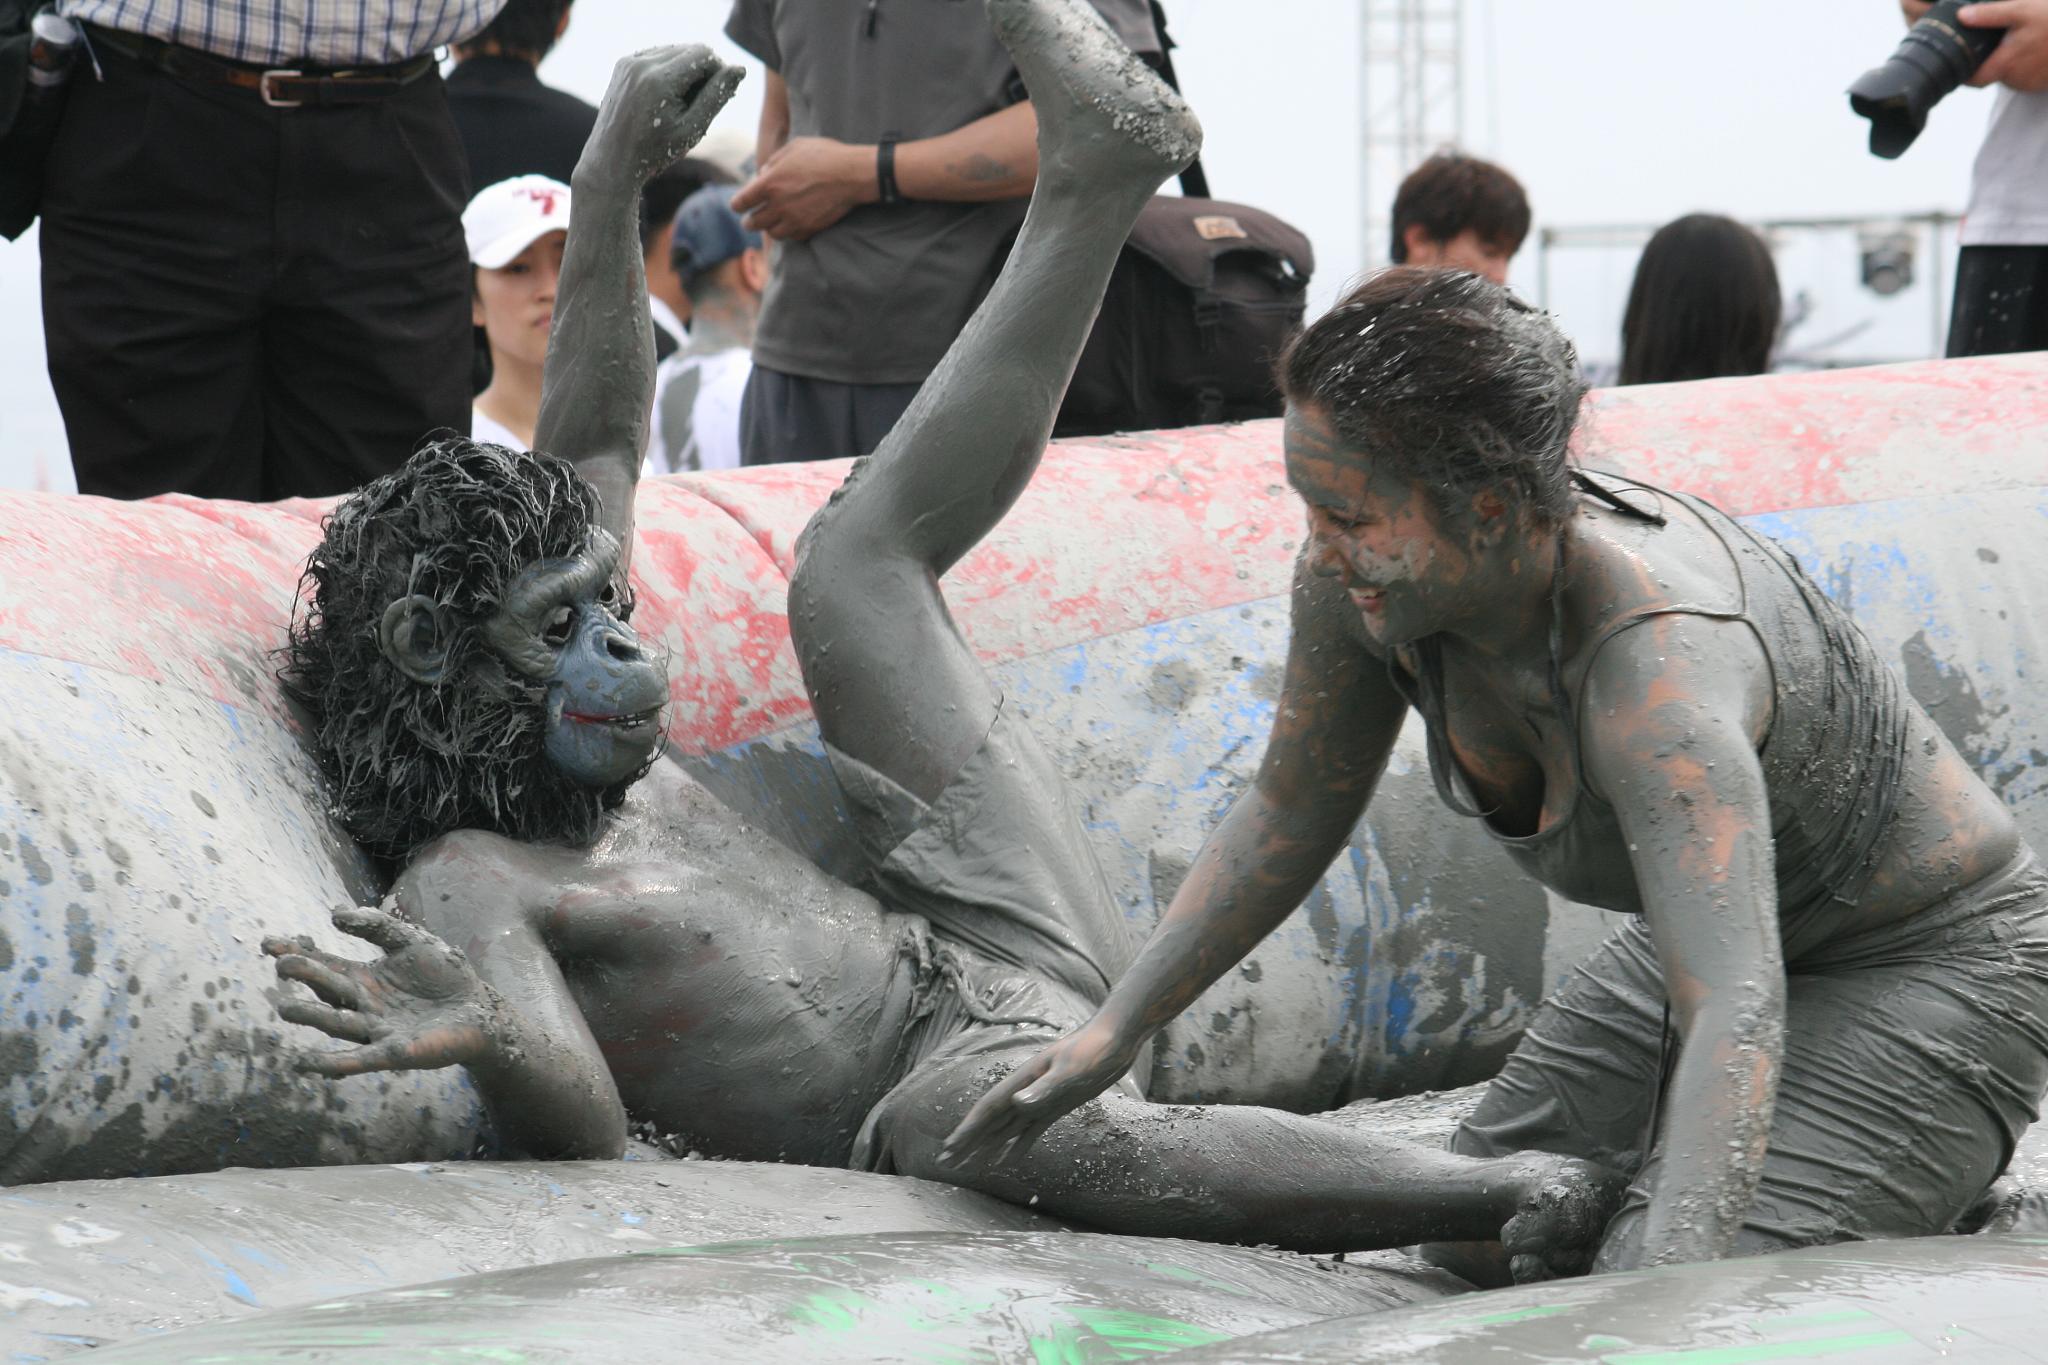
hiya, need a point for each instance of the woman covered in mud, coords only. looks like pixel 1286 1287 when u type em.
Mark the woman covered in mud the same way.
pixel 1829 1018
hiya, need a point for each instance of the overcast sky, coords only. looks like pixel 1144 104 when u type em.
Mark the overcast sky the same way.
pixel 1610 114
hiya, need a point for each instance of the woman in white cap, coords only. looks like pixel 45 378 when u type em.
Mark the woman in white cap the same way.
pixel 516 230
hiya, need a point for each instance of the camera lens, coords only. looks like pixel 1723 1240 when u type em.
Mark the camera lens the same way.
pixel 1938 55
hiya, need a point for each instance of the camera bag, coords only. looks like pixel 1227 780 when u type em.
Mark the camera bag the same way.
pixel 1203 299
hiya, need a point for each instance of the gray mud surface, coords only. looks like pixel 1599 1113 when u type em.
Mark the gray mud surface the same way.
pixel 89 1262
pixel 930 1296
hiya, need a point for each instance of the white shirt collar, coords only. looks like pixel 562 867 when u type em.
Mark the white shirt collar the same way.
pixel 666 319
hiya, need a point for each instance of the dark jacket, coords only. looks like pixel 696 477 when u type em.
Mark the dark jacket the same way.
pixel 511 124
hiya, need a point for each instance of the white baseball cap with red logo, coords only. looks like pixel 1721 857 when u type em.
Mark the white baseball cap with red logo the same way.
pixel 506 218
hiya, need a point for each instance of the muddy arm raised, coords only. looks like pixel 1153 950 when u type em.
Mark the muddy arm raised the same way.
pixel 598 385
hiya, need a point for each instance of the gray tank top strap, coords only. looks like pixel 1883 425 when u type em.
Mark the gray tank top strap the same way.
pixel 1423 687
pixel 1635 616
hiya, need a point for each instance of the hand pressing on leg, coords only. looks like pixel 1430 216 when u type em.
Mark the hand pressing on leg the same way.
pixel 1045 1089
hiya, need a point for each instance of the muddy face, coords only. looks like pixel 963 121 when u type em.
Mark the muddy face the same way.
pixel 1411 570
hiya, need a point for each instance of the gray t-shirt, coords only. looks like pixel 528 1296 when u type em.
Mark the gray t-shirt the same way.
pixel 2009 192
pixel 877 297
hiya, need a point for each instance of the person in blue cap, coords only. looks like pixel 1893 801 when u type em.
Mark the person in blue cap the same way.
pixel 697 390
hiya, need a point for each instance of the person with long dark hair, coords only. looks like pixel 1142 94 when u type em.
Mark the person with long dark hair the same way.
pixel 1705 304
pixel 1827 1017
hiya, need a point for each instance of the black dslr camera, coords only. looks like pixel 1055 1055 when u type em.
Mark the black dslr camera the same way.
pixel 1938 55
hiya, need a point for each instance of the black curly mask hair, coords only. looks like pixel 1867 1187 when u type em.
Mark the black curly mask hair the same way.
pixel 408 761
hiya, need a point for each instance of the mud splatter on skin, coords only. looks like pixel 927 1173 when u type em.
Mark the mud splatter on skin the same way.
pixel 1683 711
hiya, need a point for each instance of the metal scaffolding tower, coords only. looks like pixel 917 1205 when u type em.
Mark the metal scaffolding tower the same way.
pixel 1412 98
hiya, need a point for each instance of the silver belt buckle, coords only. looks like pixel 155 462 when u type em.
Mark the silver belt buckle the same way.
pixel 263 88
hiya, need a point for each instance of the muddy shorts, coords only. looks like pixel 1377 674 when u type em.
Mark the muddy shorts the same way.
pixel 1915 1056
pixel 1013 935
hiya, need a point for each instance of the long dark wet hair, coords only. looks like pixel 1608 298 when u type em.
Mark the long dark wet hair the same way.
pixel 405 761
pixel 1453 380
pixel 1705 304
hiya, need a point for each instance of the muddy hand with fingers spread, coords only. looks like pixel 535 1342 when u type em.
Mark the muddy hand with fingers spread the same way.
pixel 419 1006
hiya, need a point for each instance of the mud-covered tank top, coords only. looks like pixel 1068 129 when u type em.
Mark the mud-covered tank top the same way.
pixel 1833 757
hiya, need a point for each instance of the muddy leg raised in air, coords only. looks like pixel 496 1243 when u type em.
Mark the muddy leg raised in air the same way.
pixel 896 688
pixel 892 682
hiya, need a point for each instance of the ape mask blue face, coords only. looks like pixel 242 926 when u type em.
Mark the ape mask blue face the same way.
pixel 560 626
pixel 463 654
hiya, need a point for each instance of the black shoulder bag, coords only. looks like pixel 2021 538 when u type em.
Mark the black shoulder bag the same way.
pixel 1203 299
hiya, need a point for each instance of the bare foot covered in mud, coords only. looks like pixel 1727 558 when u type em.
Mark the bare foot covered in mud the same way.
pixel 1561 1219
pixel 1105 120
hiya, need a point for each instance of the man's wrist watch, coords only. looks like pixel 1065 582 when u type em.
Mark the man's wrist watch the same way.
pixel 885 171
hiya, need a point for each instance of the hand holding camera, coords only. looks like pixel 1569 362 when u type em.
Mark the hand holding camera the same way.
pixel 2021 60
pixel 1952 43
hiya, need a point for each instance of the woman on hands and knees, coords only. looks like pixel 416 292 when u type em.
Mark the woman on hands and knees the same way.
pixel 1829 1018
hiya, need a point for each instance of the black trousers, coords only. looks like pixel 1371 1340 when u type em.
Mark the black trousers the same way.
pixel 248 302
pixel 2001 301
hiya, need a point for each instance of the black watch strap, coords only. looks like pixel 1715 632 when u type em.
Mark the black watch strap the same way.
pixel 885 171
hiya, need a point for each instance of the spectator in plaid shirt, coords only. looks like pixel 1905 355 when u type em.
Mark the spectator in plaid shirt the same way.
pixel 254 279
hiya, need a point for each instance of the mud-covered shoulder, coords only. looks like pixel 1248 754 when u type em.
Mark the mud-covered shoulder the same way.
pixel 471 879
pixel 1620 566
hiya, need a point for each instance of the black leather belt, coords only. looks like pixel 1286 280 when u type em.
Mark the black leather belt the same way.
pixel 279 87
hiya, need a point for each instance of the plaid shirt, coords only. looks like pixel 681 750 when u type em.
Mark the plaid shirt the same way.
pixel 317 33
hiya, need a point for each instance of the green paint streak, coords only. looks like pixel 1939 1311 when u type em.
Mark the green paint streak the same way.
pixel 1174 1272
pixel 844 1312
pixel 1766 1350
pixel 838 1312
pixel 1103 1334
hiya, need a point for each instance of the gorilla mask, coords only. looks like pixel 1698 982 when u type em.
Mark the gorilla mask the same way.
pixel 464 651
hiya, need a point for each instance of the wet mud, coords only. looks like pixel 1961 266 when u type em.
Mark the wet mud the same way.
pixel 93 1262
pixel 148 839
pixel 1016 1296
pixel 1867 1303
